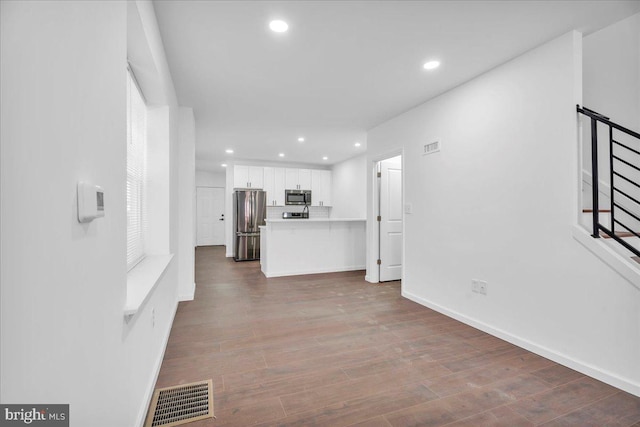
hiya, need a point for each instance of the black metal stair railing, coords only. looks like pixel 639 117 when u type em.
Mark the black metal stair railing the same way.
pixel 617 176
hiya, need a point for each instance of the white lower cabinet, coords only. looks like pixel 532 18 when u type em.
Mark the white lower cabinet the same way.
pixel 329 245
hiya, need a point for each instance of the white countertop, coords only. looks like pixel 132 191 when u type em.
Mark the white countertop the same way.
pixel 315 220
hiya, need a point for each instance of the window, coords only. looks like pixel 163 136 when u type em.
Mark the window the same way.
pixel 136 173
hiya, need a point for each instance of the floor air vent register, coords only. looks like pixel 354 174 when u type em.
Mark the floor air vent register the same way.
pixel 181 404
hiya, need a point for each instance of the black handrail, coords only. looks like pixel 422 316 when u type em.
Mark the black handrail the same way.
pixel 605 120
pixel 613 173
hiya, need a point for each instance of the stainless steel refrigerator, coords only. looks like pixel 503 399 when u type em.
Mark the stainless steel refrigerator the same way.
pixel 249 211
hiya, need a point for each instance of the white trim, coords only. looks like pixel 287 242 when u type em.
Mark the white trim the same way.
pixel 135 81
pixel 624 266
pixel 373 272
pixel 603 187
pixel 314 271
pixel 142 412
pixel 580 366
pixel 189 296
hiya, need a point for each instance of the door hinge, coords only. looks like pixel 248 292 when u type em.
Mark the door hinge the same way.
pixel 379 174
pixel 379 262
pixel 379 218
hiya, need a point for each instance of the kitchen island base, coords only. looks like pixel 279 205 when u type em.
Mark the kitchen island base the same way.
pixel 309 246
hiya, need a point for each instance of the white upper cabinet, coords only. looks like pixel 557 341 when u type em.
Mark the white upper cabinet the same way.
pixel 276 180
pixel 278 184
pixel 291 179
pixel 248 177
pixel 304 179
pixel 321 187
pixel 256 176
pixel 241 176
pixel 268 186
pixel 274 186
pixel 298 179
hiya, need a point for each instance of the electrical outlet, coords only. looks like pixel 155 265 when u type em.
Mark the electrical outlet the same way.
pixel 474 286
pixel 479 286
pixel 483 287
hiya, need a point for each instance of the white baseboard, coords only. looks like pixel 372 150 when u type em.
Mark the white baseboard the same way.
pixel 189 296
pixel 585 368
pixel 314 271
pixel 142 412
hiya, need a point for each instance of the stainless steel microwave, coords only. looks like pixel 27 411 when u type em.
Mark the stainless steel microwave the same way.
pixel 297 197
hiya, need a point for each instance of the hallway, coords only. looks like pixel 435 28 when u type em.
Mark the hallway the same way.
pixel 334 350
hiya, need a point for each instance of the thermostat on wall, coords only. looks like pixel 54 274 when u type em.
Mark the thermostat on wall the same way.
pixel 90 201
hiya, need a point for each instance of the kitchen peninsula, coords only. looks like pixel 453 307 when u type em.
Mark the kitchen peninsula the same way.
pixel 317 245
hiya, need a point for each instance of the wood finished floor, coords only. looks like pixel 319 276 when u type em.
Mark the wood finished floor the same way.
pixel 334 350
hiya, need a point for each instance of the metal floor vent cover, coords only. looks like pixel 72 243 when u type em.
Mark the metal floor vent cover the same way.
pixel 172 406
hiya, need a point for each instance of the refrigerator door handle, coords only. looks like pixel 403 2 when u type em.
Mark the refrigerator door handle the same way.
pixel 252 214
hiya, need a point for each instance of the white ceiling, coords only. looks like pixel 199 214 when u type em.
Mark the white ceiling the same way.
pixel 343 67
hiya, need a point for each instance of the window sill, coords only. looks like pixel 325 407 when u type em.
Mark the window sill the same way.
pixel 142 280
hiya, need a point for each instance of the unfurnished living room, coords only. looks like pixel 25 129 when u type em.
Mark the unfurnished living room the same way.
pixel 319 213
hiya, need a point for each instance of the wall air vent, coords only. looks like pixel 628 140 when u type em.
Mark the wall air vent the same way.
pixel 430 148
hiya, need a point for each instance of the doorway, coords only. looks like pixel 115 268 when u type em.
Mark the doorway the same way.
pixel 389 218
pixel 209 216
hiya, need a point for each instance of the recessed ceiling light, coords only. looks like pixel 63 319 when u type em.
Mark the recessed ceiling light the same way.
pixel 431 65
pixel 281 154
pixel 325 158
pixel 301 139
pixel 278 26
pixel 228 151
pixel 224 165
pixel 357 144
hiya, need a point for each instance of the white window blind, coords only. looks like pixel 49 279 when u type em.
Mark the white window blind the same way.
pixel 136 173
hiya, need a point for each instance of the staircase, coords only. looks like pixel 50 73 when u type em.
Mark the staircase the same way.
pixel 620 221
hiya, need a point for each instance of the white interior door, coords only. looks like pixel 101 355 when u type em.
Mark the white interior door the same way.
pixel 390 219
pixel 210 216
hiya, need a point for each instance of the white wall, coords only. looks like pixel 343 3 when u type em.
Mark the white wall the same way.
pixel 349 188
pixel 157 239
pixel 63 284
pixel 611 67
pixel 508 134
pixel 228 207
pixel 210 179
pixel 611 62
pixel 187 203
